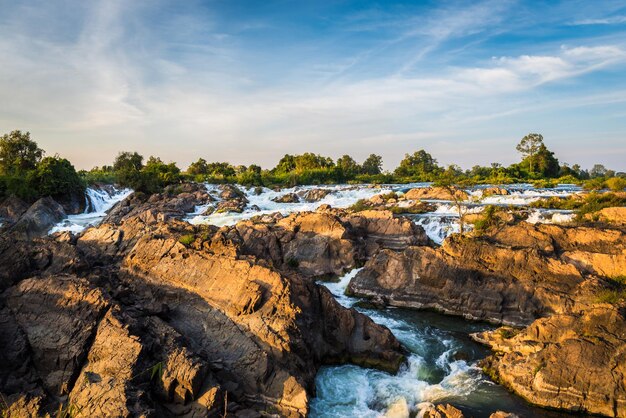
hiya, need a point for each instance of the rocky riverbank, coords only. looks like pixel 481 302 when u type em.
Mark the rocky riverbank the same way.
pixel 149 315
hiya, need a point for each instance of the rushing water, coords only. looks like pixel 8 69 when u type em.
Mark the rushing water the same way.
pixel 438 224
pixel 97 203
pixel 441 367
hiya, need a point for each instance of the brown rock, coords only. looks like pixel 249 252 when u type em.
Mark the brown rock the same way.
pixel 287 198
pixel 575 362
pixel 435 193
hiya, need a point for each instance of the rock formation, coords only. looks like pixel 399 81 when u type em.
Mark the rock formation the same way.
pixel 574 361
pixel 125 320
pixel 513 275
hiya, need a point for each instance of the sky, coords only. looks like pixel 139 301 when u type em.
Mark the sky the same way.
pixel 248 81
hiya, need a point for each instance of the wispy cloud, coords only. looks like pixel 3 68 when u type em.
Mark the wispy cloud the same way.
pixel 189 83
pixel 613 20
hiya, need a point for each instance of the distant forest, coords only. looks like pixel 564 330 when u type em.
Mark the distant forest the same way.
pixel 27 173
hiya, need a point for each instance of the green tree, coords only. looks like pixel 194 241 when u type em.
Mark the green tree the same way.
pixel 528 146
pixel 373 164
pixel 598 170
pixel 420 165
pixel 18 153
pixel 56 177
pixel 287 164
pixel 349 166
pixel 198 168
pixel 544 162
pixel 128 161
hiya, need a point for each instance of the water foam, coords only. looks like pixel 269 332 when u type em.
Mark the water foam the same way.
pixel 98 202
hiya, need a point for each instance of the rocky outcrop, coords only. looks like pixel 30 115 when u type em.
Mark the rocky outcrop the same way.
pixel 436 193
pixel 12 208
pixel 495 191
pixel 174 202
pixel 615 215
pixel 287 198
pixel 149 326
pixel 38 219
pixel 315 195
pixel 574 361
pixel 513 275
pixel 325 243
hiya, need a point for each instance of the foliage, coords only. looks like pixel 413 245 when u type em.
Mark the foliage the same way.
pixel 372 165
pixel 187 239
pixel 420 166
pixel 487 220
pixel 617 184
pixel 18 153
pixel 56 177
pixel 529 146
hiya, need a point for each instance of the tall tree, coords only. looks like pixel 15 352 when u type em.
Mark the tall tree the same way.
pixel 528 146
pixel 18 153
pixel 348 165
pixel 420 165
pixel 373 164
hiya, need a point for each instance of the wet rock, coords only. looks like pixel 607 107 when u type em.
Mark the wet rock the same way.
pixel 495 191
pixel 315 195
pixel 287 198
pixel 574 362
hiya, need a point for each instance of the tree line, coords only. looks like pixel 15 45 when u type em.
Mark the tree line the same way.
pixel 26 173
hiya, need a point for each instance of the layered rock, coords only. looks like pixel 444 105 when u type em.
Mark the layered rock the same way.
pixel 574 361
pixel 436 193
pixel 157 327
pixel 513 275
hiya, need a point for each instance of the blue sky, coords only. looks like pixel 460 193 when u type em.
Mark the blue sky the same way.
pixel 248 81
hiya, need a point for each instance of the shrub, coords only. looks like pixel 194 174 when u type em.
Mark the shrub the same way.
pixel 187 239
pixel 616 184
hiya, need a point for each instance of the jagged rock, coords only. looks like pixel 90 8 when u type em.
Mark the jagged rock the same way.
pixel 495 191
pixel 435 193
pixel 12 208
pixel 58 317
pixel 287 198
pixel 38 219
pixel 515 275
pixel 105 385
pixel 22 258
pixel 315 195
pixel 429 410
pixel 575 362
pixel 616 215
pixel 502 414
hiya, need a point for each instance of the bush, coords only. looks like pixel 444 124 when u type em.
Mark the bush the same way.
pixel 56 177
pixel 187 239
pixel 617 184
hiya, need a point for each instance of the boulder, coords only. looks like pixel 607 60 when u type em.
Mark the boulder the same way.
pixel 495 191
pixel 38 219
pixel 12 208
pixel 435 193
pixel 615 215
pixel 315 195
pixel 287 198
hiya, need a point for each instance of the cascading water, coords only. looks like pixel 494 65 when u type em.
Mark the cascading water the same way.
pixel 441 367
pixel 98 202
